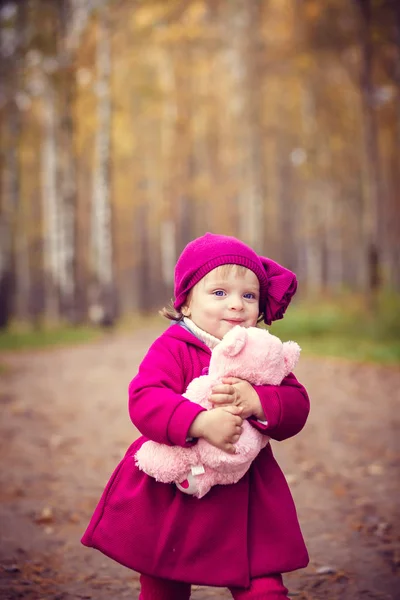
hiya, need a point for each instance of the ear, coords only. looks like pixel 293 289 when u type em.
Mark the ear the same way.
pixel 185 310
pixel 291 354
pixel 234 341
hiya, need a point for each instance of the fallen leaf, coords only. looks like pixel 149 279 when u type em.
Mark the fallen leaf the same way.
pixel 375 469
pixel 46 516
pixel 326 570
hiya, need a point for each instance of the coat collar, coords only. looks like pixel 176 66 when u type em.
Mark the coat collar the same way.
pixel 180 333
pixel 202 335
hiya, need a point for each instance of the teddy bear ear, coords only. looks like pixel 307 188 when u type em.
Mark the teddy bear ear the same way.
pixel 234 341
pixel 291 355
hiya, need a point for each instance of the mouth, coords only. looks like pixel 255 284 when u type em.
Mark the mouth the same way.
pixel 234 321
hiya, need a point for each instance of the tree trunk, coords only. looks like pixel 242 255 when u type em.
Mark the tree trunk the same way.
pixel 372 189
pixel 67 162
pixel 51 205
pixel 10 75
pixel 101 221
pixel 245 39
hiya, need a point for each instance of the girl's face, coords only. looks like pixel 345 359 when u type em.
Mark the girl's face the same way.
pixel 227 296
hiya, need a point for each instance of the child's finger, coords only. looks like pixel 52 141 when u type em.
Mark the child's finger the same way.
pixel 234 410
pixel 231 380
pixel 222 399
pixel 223 388
pixel 230 448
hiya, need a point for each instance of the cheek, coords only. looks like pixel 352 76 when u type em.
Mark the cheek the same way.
pixel 210 308
pixel 255 316
pixel 210 313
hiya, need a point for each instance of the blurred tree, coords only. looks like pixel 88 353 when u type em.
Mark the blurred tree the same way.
pixel 358 33
pixel 103 293
pixel 131 127
pixel 12 19
pixel 373 190
pixel 66 47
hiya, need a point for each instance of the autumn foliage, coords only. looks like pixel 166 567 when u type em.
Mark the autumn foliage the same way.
pixel 130 127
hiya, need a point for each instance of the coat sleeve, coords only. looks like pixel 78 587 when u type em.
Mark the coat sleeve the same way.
pixel 156 406
pixel 286 408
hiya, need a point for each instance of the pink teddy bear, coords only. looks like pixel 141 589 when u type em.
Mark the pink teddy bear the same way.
pixel 248 353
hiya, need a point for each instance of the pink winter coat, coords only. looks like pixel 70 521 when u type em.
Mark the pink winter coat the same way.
pixel 233 534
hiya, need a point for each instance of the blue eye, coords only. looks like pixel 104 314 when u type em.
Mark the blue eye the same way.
pixel 250 296
pixel 219 293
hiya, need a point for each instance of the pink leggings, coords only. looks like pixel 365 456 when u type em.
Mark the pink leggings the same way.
pixel 268 588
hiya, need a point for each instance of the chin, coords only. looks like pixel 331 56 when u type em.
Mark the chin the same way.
pixel 231 325
pixel 227 327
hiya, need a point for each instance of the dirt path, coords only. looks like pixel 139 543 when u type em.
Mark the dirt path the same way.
pixel 64 426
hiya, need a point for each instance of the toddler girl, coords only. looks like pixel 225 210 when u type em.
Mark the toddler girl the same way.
pixel 240 536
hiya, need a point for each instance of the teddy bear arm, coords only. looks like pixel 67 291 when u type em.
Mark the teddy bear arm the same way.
pixel 248 447
pixel 165 463
pixel 250 442
pixel 198 391
pixel 212 477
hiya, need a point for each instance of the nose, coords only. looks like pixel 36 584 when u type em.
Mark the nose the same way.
pixel 236 302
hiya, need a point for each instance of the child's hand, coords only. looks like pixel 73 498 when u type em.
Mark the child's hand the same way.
pixel 238 392
pixel 221 427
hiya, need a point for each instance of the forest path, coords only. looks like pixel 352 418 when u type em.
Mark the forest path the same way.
pixel 64 426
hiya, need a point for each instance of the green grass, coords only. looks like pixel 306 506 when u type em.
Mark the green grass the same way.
pixel 3 369
pixel 339 327
pixel 25 339
pixel 353 349
pixel 344 327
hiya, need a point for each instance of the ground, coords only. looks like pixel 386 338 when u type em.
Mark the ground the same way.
pixel 64 426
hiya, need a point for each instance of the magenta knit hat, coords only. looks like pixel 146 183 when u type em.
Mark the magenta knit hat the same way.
pixel 202 255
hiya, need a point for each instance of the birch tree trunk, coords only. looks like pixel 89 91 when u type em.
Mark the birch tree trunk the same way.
pixel 256 186
pixel 101 224
pixel 169 110
pixel 53 243
pixel 244 34
pixel 66 156
pixel 311 200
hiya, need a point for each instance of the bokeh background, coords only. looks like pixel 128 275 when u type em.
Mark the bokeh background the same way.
pixel 130 127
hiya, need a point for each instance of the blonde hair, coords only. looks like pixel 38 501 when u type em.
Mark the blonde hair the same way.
pixel 170 312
